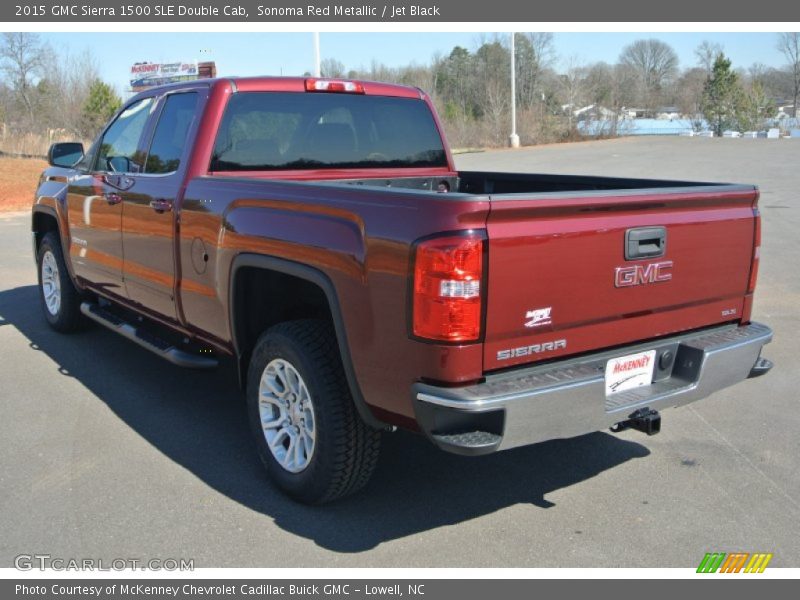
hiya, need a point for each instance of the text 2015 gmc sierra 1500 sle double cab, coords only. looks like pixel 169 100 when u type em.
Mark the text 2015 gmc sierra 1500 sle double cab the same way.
pixel 317 231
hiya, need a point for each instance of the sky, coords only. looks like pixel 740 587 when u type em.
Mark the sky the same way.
pixel 271 53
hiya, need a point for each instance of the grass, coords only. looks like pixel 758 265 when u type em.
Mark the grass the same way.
pixel 18 180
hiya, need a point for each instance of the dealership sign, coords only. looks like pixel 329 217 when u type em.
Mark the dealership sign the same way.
pixel 145 75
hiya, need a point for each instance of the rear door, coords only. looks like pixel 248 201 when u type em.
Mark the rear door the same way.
pixel 149 216
pixel 571 273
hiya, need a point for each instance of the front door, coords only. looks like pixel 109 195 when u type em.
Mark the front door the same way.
pixel 94 199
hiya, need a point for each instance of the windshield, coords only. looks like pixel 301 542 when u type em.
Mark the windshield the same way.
pixel 277 130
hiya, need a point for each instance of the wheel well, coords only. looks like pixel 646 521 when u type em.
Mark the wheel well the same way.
pixel 266 291
pixel 43 223
pixel 262 298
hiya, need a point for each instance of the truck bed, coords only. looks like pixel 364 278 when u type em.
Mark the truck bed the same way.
pixel 555 246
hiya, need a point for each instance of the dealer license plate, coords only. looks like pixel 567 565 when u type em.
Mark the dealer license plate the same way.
pixel 631 371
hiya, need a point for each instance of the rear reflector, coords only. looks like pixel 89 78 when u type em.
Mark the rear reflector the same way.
pixel 751 284
pixel 334 85
pixel 448 273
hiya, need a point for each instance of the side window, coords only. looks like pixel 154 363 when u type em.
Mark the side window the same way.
pixel 118 148
pixel 170 135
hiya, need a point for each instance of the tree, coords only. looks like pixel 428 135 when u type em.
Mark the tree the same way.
pixel 721 96
pixel 533 53
pixel 706 54
pixel 492 86
pixel 101 103
pixel 65 87
pixel 453 80
pixel 22 59
pixel 689 89
pixel 654 62
pixel 789 45
pixel 330 67
pixel 573 89
pixel 755 107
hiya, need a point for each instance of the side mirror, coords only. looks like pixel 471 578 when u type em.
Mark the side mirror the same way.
pixel 119 164
pixel 65 154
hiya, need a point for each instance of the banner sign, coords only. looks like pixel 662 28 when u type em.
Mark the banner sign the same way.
pixel 146 75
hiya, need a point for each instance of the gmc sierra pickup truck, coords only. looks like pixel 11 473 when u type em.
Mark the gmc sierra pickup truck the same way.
pixel 318 232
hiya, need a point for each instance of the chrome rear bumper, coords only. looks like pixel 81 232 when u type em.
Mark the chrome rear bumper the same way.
pixel 567 398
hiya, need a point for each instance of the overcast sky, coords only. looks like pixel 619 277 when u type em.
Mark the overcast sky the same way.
pixel 292 54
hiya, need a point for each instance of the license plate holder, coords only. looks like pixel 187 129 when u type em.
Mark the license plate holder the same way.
pixel 630 371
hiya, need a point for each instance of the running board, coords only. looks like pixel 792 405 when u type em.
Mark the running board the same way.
pixel 146 340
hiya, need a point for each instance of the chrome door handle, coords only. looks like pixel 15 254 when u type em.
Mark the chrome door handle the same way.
pixel 161 206
pixel 112 198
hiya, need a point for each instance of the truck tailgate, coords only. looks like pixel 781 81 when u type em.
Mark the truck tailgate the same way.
pixel 559 282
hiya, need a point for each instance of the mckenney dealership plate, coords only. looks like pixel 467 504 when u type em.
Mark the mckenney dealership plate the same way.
pixel 627 372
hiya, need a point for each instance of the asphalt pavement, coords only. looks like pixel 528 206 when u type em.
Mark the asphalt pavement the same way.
pixel 109 452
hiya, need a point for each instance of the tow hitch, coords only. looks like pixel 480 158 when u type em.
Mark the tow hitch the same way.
pixel 645 420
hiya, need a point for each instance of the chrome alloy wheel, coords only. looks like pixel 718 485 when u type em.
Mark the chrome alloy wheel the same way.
pixel 51 283
pixel 287 415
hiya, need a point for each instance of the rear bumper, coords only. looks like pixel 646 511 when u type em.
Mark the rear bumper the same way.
pixel 567 398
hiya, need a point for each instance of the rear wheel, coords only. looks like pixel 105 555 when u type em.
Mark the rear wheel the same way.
pixel 307 430
pixel 61 301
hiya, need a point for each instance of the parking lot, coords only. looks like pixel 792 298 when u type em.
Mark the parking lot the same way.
pixel 109 452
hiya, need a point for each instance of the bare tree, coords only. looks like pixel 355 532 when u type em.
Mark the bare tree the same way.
pixel 689 94
pixel 534 53
pixel 757 73
pixel 22 59
pixel 66 80
pixel 706 54
pixel 330 67
pixel 655 63
pixel 573 89
pixel 789 45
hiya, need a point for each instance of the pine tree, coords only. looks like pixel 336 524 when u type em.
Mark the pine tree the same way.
pixel 721 96
pixel 101 103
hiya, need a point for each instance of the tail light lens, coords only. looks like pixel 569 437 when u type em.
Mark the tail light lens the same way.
pixel 448 281
pixel 751 285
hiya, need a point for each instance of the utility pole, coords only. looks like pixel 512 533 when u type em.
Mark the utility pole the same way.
pixel 513 139
pixel 317 69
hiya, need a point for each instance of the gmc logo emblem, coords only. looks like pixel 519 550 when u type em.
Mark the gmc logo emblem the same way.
pixel 642 274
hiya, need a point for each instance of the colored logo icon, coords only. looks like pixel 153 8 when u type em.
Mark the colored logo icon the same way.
pixel 735 562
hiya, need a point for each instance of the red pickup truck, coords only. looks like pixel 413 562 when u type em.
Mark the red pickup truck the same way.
pixel 318 232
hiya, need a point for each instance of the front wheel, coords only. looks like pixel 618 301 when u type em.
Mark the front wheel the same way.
pixel 61 301
pixel 307 430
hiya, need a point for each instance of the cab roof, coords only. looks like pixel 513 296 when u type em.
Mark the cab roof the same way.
pixel 289 84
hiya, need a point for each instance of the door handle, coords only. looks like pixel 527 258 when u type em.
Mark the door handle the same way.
pixel 161 206
pixel 112 198
pixel 119 181
pixel 645 242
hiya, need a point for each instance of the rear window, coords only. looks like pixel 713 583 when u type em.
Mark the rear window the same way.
pixel 275 130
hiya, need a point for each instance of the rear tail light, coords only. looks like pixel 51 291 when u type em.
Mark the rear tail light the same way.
pixel 334 85
pixel 751 285
pixel 448 281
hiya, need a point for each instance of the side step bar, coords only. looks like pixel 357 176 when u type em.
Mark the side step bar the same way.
pixel 145 339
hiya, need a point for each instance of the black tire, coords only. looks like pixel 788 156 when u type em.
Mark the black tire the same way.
pixel 67 317
pixel 346 449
